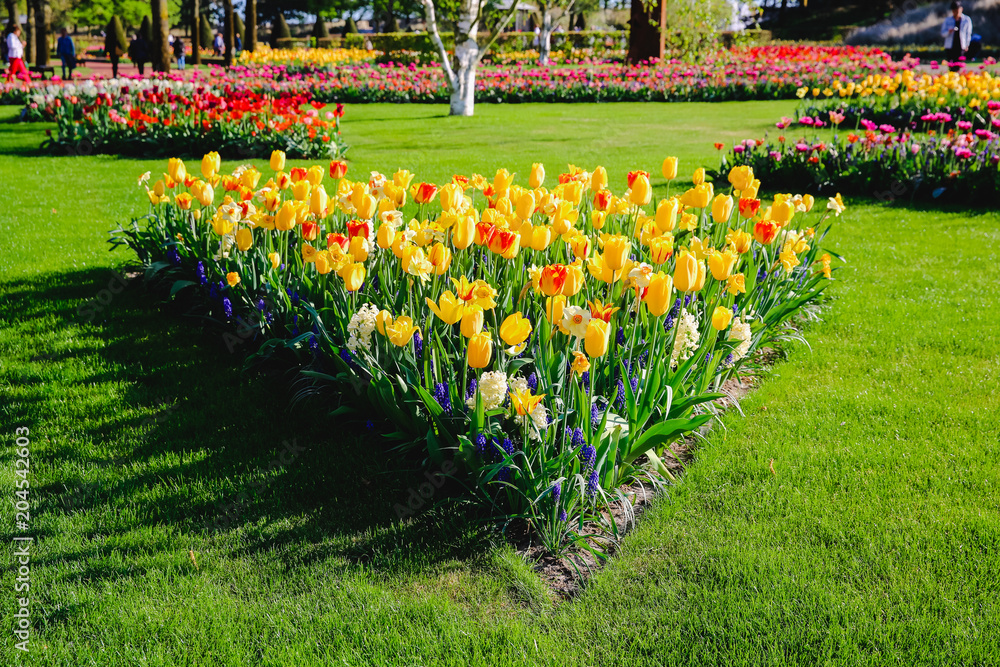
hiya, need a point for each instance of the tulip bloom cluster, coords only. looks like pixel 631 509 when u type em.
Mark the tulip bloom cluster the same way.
pixel 958 166
pixel 150 120
pixel 552 335
pixel 907 100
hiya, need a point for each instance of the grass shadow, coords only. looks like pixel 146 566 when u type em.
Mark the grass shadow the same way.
pixel 174 435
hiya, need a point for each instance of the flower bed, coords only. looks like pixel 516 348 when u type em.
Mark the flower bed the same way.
pixel 769 72
pixel 735 74
pixel 553 342
pixel 906 100
pixel 955 166
pixel 154 120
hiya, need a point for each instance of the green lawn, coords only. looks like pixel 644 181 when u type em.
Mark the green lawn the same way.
pixel 876 542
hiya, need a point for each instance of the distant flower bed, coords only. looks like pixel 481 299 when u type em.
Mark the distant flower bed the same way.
pixel 154 120
pixel 883 163
pixel 311 58
pixel 735 74
pixel 550 342
pixel 906 100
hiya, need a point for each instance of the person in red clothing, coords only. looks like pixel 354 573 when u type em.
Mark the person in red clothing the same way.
pixel 15 54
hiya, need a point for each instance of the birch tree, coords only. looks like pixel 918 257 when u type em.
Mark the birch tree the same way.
pixel 460 69
pixel 549 9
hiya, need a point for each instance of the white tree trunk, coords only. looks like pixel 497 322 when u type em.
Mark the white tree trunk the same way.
pixel 462 77
pixel 463 93
pixel 545 37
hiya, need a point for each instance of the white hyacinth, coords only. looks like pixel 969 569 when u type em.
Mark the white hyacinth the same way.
pixel 687 338
pixel 493 387
pixel 360 327
pixel 740 331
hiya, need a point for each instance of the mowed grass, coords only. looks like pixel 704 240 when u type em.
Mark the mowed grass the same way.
pixel 876 541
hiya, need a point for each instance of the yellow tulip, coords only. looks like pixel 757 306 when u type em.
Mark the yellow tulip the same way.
pixel 616 249
pixel 658 294
pixel 358 249
pixel 666 214
pixel 699 176
pixel 318 202
pixel 741 177
pixel 580 245
pixel 641 191
pixel 599 179
pixel 183 200
pixel 385 236
pixel 366 207
pixel 463 232
pixel 808 201
pixel 597 338
pixel 751 191
pixel 782 212
pixel 670 168
pixel 525 205
pixel 244 239
pixel 697 197
pixel 721 317
pixel 449 308
pixel 401 331
pixel 402 178
pixel 573 192
pixel 574 279
pixel 275 260
pixel 210 164
pixel 176 169
pixel 722 263
pixel 205 193
pixel 440 258
pixel 354 276
pixel 159 189
pixel 382 320
pixel 451 195
pixel 315 175
pixel 661 248
pixel 300 191
pixel 480 350
pixel 502 181
pixel 472 320
pixel 554 307
pixel 537 176
pixel 597 219
pixel 277 160
pixel 686 272
pixel 722 208
pixel 739 240
pixel 515 329
pixel 285 219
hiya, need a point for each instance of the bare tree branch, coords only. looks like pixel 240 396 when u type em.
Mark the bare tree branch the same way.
pixel 432 30
pixel 498 29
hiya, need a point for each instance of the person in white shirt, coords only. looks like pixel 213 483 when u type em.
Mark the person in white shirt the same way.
pixel 15 54
pixel 957 33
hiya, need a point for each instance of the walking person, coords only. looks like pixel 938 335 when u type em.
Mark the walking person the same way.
pixel 66 50
pixel 15 55
pixel 957 33
pixel 113 50
pixel 138 52
pixel 219 44
pixel 179 52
